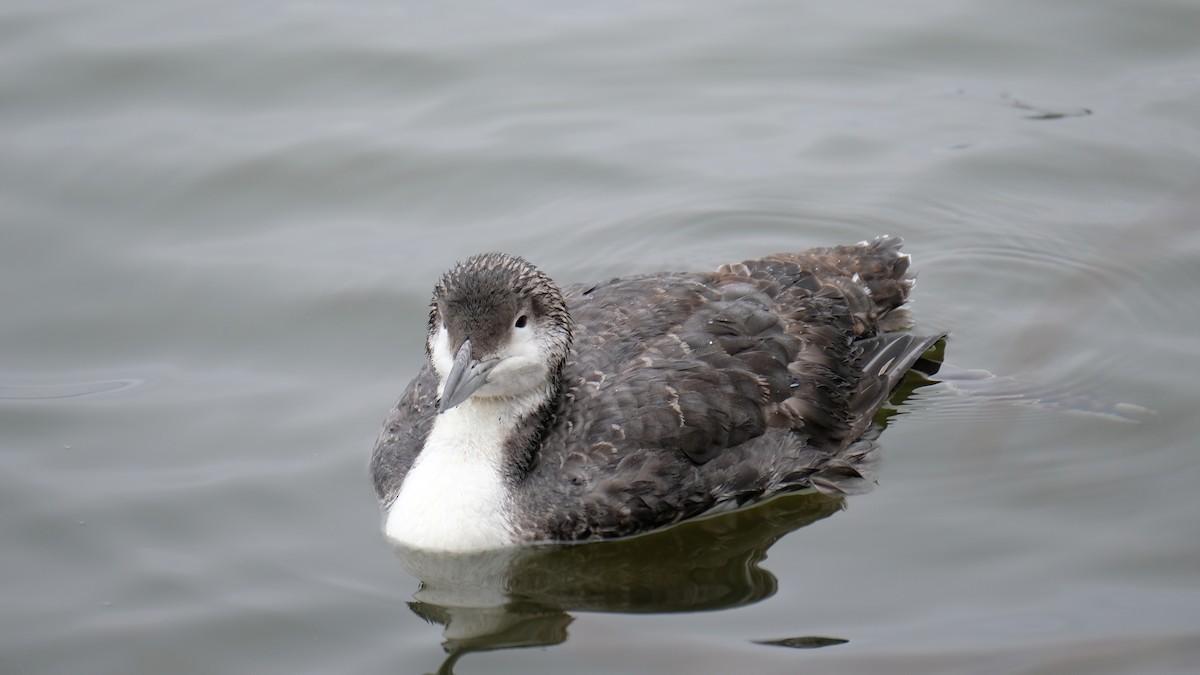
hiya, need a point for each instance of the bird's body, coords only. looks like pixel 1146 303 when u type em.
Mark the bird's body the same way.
pixel 616 408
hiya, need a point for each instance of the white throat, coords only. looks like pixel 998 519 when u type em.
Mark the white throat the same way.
pixel 456 496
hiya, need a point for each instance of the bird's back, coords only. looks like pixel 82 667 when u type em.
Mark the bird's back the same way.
pixel 687 392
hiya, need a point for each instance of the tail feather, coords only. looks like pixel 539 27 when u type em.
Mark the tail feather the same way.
pixel 878 264
pixel 851 472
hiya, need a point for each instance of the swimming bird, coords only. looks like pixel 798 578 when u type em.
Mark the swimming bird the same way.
pixel 611 409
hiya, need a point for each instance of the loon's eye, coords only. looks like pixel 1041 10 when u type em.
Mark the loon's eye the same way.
pixel 521 321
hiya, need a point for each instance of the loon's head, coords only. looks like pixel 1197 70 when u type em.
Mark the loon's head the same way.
pixel 498 329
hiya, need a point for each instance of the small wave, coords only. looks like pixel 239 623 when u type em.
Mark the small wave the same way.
pixel 981 384
pixel 43 392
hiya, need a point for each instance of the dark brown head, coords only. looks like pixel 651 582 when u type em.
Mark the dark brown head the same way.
pixel 498 328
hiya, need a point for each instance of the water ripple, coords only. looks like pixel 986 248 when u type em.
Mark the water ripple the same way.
pixel 44 392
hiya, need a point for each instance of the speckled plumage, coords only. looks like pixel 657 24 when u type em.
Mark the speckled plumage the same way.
pixel 678 393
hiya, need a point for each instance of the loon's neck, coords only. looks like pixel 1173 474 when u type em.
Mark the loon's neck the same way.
pixel 458 495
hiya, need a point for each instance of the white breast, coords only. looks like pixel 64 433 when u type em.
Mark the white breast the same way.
pixel 455 497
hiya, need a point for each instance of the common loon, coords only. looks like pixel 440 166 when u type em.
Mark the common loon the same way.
pixel 611 409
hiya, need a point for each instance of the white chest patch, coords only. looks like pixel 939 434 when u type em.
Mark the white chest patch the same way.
pixel 455 498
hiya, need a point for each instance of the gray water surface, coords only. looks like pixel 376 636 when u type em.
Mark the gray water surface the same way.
pixel 220 223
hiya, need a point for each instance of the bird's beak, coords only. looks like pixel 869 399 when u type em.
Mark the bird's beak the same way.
pixel 465 377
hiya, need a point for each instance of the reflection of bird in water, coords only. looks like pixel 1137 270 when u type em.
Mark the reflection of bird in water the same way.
pixel 628 405
pixel 521 597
